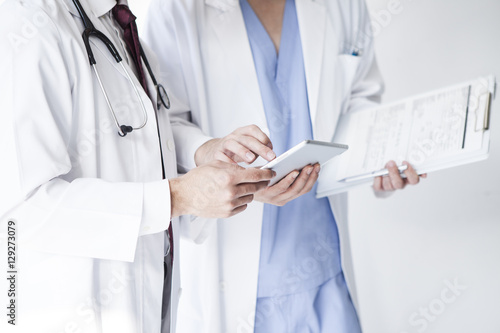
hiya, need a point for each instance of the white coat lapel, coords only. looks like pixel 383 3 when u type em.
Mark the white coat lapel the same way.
pixel 312 19
pixel 229 27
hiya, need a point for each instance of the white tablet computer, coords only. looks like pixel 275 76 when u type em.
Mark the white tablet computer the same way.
pixel 305 153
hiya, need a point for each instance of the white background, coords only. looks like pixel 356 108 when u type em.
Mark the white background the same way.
pixel 447 228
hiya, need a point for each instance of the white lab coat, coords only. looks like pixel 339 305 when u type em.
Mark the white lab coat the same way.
pixel 203 48
pixel 91 208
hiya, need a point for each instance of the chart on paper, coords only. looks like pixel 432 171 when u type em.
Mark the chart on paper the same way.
pixel 418 130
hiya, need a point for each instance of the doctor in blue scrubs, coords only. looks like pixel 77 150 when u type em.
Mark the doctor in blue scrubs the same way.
pixel 288 300
pixel 319 303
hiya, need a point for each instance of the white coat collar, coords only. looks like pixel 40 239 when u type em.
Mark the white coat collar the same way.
pixel 226 5
pixel 98 7
pixel 223 5
pixel 101 7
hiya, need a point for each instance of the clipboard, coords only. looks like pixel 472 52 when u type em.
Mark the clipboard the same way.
pixel 356 167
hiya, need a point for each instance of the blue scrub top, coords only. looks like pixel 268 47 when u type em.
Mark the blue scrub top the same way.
pixel 300 244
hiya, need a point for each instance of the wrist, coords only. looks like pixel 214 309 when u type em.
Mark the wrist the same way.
pixel 201 154
pixel 178 202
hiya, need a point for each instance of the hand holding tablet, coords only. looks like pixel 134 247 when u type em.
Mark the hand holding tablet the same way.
pixel 305 153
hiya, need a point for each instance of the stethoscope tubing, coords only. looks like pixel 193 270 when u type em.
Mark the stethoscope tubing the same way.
pixel 91 31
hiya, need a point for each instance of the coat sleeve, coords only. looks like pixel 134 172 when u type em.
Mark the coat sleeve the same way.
pixel 173 40
pixel 367 87
pixel 170 31
pixel 80 217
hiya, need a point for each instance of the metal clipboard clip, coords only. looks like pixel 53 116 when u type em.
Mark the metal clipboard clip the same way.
pixel 484 125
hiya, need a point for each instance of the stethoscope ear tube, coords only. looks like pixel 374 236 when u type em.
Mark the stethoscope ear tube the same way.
pixel 108 43
pixel 89 32
pixel 86 40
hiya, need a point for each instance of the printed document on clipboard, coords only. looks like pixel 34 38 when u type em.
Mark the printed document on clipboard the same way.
pixel 434 131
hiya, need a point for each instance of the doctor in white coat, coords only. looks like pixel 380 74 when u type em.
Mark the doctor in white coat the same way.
pixel 204 47
pixel 83 210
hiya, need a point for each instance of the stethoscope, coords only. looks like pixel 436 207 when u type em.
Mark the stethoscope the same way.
pixel 161 94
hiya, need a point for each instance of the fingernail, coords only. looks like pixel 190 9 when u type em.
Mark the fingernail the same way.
pixel 317 169
pixel 271 155
pixel 250 156
pixel 295 174
pixel 391 164
pixel 309 170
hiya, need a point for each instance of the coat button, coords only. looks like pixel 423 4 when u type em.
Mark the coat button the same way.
pixel 170 145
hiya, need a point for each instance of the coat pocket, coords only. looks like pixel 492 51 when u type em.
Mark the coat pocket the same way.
pixel 347 67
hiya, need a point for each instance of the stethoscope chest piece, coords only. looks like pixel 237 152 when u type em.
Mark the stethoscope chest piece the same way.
pixel 162 97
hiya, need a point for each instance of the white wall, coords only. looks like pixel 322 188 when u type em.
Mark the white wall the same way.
pixel 447 228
